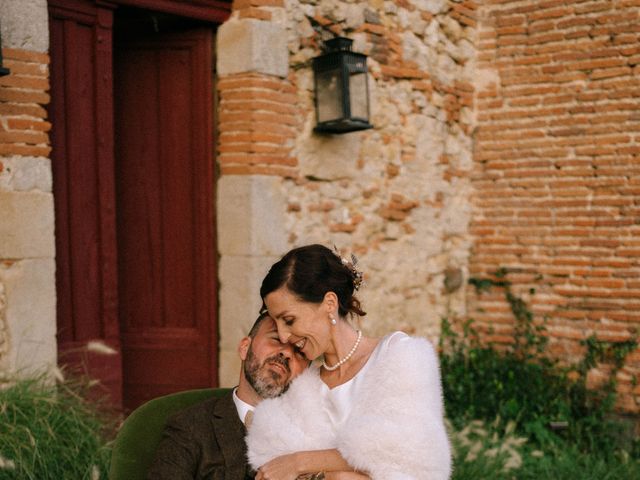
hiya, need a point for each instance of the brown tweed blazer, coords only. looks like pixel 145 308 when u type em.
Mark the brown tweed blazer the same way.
pixel 203 442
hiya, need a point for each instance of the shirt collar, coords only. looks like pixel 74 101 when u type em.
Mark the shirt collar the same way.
pixel 241 406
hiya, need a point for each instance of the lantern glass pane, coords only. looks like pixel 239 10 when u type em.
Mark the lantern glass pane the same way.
pixel 358 93
pixel 329 95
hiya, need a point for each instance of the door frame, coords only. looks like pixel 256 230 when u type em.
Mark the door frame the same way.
pixel 100 13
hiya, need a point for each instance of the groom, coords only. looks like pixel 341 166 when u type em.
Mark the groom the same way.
pixel 207 440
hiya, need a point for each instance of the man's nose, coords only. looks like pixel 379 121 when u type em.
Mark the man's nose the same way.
pixel 286 350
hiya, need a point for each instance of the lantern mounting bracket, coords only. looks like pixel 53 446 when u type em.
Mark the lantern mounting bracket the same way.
pixel 3 70
pixel 321 29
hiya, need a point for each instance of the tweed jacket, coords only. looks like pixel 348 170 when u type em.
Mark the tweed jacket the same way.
pixel 394 431
pixel 203 442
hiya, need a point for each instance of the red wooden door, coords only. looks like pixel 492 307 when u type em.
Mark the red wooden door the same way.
pixel 83 188
pixel 165 211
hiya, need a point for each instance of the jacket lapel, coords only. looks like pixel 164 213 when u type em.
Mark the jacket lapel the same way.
pixel 230 432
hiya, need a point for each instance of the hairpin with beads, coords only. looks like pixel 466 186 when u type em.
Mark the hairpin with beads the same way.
pixel 356 274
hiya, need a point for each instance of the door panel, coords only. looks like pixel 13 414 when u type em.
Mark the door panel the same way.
pixel 164 185
pixel 83 189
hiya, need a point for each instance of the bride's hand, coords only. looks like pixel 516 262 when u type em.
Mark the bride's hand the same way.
pixel 284 467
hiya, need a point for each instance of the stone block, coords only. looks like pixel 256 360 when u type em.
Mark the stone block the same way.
pixel 30 314
pixel 251 215
pixel 251 237
pixel 4 330
pixel 432 6
pixel 240 278
pixel 239 293
pixel 26 225
pixel 330 157
pixel 354 16
pixel 457 214
pixel 486 78
pixel 248 45
pixel 24 24
pixel 229 368
pixel 25 173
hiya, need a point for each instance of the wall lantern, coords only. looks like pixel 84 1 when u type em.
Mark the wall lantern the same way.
pixel 342 89
pixel 3 71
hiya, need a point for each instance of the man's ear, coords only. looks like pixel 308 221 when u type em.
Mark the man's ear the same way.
pixel 243 347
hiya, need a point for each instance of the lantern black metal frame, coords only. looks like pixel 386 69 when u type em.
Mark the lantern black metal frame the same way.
pixel 3 71
pixel 339 59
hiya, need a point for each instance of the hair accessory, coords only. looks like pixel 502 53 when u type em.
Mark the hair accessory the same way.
pixel 356 274
pixel 347 357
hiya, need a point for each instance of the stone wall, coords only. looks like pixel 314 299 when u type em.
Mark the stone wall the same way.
pixel 396 195
pixel 27 266
pixel 557 172
pixel 505 135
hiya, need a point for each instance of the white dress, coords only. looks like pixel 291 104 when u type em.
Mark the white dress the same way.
pixel 339 400
pixel 386 421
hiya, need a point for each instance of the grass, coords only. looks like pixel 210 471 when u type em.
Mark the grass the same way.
pixel 500 408
pixel 497 455
pixel 571 464
pixel 50 431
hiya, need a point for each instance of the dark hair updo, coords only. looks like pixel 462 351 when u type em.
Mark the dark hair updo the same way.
pixel 310 272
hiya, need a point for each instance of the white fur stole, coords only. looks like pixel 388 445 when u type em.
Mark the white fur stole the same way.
pixel 396 427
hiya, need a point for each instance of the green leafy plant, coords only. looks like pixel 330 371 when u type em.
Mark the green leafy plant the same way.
pixel 529 339
pixel 483 383
pixel 521 384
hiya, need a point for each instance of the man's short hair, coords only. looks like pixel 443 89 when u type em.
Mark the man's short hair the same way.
pixel 256 325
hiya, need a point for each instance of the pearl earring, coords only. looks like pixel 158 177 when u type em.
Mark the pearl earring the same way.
pixel 333 320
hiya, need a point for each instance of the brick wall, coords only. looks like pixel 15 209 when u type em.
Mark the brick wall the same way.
pixel 557 170
pixel 23 95
pixel 257 125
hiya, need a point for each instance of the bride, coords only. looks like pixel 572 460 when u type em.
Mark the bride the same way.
pixel 372 408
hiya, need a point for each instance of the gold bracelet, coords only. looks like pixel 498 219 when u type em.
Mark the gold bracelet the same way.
pixel 312 476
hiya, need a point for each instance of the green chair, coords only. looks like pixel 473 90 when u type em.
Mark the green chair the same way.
pixel 139 436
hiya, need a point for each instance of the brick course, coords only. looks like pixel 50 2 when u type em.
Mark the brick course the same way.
pixel 557 169
pixel 23 95
pixel 258 123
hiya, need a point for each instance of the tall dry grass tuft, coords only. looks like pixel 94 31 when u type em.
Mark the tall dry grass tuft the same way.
pixel 49 430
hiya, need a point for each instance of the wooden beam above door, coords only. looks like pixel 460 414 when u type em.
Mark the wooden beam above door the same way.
pixel 216 11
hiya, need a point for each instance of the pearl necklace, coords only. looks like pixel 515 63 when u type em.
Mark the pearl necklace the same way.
pixel 349 355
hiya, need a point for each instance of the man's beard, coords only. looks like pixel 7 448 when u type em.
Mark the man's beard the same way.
pixel 266 383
